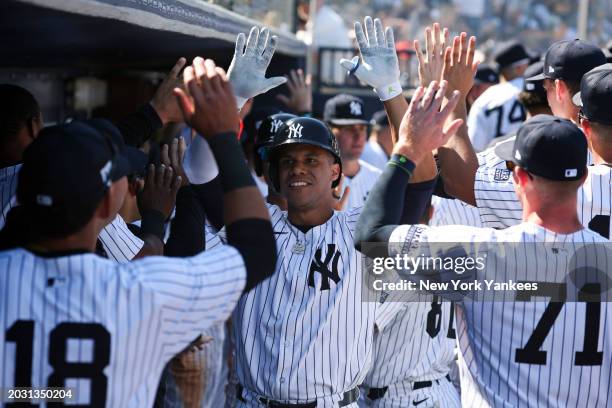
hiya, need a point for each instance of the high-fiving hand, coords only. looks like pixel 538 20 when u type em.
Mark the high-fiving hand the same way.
pixel 459 65
pixel 423 127
pixel 378 66
pixel 247 72
pixel 431 64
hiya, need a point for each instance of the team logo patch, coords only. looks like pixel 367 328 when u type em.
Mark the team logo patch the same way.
pixel 355 108
pixel 276 123
pixel 501 175
pixel 295 131
pixel 322 266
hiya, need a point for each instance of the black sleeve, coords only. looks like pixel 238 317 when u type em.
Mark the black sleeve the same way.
pixel 138 127
pixel 391 202
pixel 210 196
pixel 187 232
pixel 254 239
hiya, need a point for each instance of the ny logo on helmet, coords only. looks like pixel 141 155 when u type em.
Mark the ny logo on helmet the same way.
pixel 295 131
pixel 355 108
pixel 276 123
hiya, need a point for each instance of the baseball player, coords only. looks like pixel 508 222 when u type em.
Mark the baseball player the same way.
pixel 345 116
pixel 420 340
pixel 518 353
pixel 305 336
pixel 23 120
pixel 113 357
pixel 380 143
pixel 493 187
pixel 497 111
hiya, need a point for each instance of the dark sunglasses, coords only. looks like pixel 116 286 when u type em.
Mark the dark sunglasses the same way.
pixel 510 165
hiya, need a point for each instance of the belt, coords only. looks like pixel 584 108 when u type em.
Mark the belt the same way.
pixel 348 398
pixel 378 393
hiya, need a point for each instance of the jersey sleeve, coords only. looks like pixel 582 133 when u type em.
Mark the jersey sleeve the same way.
pixel 118 242
pixel 189 294
pixel 479 128
pixel 496 199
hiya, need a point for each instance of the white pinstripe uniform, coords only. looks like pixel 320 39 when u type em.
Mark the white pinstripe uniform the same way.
pixel 361 184
pixel 454 212
pixel 491 334
pixel 500 208
pixel 495 113
pixel 305 334
pixel 118 242
pixel 107 329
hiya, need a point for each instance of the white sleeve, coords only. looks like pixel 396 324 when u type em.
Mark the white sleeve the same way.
pixel 479 128
pixel 496 199
pixel 199 164
pixel 119 242
pixel 190 294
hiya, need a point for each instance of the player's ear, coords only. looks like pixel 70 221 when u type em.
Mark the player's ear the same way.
pixel 335 172
pixel 521 176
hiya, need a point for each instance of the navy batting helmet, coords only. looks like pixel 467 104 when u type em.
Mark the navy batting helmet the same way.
pixel 307 131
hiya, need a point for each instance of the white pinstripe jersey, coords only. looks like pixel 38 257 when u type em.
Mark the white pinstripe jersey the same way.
pixel 361 184
pixel 499 206
pixel 118 242
pixel 305 334
pixel 495 113
pixel 454 212
pixel 492 334
pixel 108 328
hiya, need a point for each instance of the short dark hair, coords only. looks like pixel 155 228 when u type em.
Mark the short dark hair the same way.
pixel 531 100
pixel 18 108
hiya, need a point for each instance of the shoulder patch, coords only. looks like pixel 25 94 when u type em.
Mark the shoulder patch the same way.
pixel 501 175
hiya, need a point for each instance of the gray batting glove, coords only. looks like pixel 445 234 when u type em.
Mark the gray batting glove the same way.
pixel 378 66
pixel 247 72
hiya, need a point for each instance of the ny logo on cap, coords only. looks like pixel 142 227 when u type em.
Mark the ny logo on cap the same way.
pixel 550 69
pixel 295 131
pixel 571 172
pixel 275 125
pixel 355 108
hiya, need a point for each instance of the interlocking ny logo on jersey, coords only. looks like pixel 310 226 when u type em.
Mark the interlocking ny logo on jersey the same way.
pixel 355 108
pixel 321 265
pixel 275 125
pixel 295 131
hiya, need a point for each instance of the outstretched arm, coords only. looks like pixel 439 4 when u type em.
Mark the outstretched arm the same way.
pixel 422 130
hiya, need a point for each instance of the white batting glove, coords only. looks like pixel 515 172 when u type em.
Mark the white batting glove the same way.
pixel 247 72
pixel 378 66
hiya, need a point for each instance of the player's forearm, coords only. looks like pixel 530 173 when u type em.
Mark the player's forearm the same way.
pixel 396 109
pixel 383 208
pixel 210 197
pixel 187 232
pixel 138 127
pixel 153 246
pixel 458 161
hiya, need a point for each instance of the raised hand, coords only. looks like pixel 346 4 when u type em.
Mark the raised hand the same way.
pixel 211 109
pixel 459 65
pixel 431 64
pixel 163 100
pixel 300 92
pixel 247 72
pixel 378 66
pixel 423 127
pixel 172 156
pixel 159 191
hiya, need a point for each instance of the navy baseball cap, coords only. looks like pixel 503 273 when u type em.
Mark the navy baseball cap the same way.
pixel 510 53
pixel 68 165
pixel 136 158
pixel 595 96
pixel 344 110
pixel 485 74
pixel 570 60
pixel 534 86
pixel 549 147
